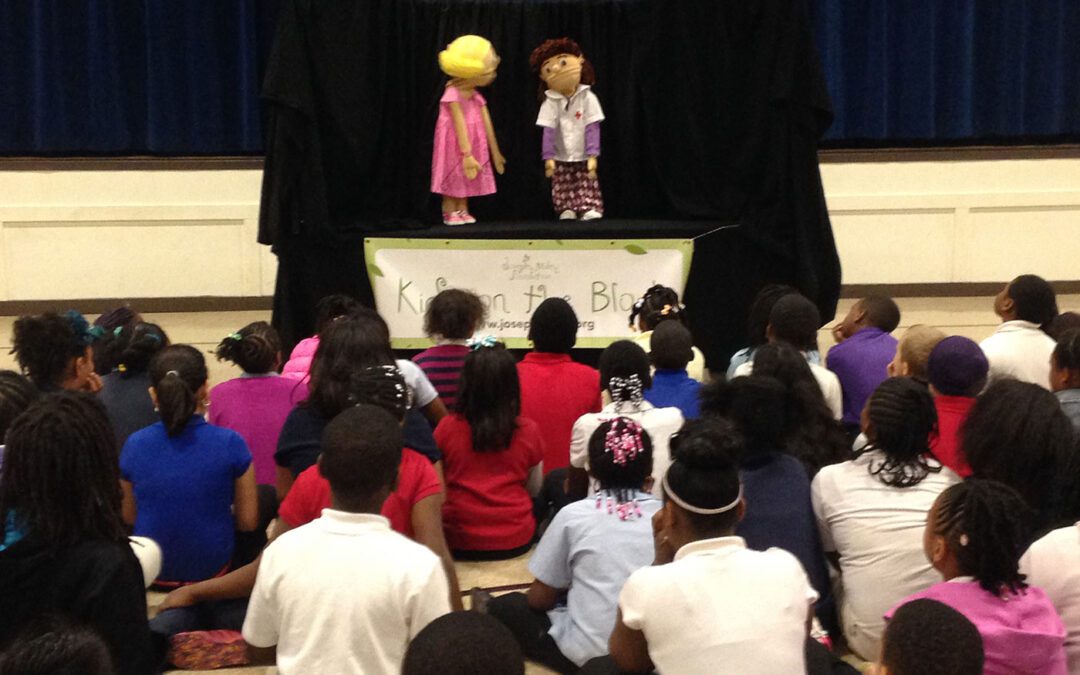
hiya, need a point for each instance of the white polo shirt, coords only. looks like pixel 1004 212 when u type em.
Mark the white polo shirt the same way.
pixel 1053 564
pixel 1020 350
pixel 826 379
pixel 877 530
pixel 344 594
pixel 720 607
pixel 569 117
pixel 659 423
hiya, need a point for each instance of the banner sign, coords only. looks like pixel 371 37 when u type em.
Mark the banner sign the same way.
pixel 601 279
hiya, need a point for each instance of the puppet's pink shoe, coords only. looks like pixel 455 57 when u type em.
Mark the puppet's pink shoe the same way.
pixel 466 218
pixel 454 218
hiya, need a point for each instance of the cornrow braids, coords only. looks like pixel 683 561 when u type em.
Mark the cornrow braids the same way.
pixel 16 395
pixel 902 418
pixel 256 348
pixel 620 459
pixel 136 346
pixel 1067 351
pixel 383 387
pixel 61 472
pixel 987 525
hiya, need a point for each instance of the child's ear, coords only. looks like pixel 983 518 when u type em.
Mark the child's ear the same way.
pixel 938 550
pixel 904 370
pixel 769 333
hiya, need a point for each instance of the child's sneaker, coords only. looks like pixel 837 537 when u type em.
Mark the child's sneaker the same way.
pixel 466 218
pixel 207 650
pixel 567 215
pixel 453 218
pixel 592 214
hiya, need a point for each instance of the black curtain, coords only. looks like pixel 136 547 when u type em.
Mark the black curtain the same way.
pixel 714 109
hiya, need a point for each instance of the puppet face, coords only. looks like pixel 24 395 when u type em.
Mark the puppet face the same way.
pixel 562 73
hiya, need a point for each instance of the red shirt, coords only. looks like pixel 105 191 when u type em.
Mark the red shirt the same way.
pixel 487 506
pixel 310 494
pixel 555 392
pixel 951 412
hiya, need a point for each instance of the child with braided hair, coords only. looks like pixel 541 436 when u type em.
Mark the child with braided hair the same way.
pixel 659 304
pixel 975 535
pixel 624 377
pixel 591 547
pixel 1065 374
pixel 16 395
pixel 871 510
pixel 125 388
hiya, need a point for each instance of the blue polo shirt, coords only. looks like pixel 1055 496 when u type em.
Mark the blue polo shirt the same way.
pixel 675 389
pixel 184 488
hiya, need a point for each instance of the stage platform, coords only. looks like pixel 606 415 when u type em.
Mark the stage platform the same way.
pixel 566 229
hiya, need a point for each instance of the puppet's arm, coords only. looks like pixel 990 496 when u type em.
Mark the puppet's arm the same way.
pixel 468 162
pixel 547 151
pixel 592 147
pixel 497 160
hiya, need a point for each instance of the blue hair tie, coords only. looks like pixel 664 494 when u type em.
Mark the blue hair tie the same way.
pixel 84 334
pixel 479 343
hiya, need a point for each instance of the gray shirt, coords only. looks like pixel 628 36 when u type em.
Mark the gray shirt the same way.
pixel 1070 403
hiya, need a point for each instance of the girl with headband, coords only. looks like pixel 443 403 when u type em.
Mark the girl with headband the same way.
pixel 707 599
pixel 586 554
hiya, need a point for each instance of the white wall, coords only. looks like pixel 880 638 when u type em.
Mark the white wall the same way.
pixel 131 234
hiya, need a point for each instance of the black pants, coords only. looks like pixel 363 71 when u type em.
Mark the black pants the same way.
pixel 552 496
pixel 530 628
pixel 250 544
pixel 819 661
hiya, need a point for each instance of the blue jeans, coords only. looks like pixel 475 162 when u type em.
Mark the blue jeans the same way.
pixel 216 615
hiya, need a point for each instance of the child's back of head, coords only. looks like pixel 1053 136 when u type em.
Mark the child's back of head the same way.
pixel 881 312
pixel 178 376
pixel 255 348
pixel 794 320
pixel 454 314
pixel 16 395
pixel 900 416
pixel 913 352
pixel 463 643
pixel 624 372
pixel 927 637
pixel 489 396
pixel 957 367
pixel 553 327
pixel 361 452
pixel 1030 298
pixel 671 346
pixel 658 305
pixel 620 458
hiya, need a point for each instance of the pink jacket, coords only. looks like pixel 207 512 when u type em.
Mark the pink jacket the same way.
pixel 299 364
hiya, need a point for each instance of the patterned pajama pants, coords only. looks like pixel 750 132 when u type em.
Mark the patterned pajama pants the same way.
pixel 573 190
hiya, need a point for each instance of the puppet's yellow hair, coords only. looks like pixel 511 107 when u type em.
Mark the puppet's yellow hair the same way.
pixel 465 56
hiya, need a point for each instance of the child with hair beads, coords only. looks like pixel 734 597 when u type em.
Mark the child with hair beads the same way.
pixel 1017 434
pixel 670 350
pixel 493 460
pixel 871 510
pixel 975 534
pixel 125 390
pixel 187 485
pixel 452 317
pixel 708 601
pixel 65 548
pixel 1020 347
pixel 624 375
pixel 660 304
pixel 56 351
pixel 255 404
pixel 464 135
pixel 556 390
pixel 1065 374
pixel 345 593
pixel 587 553
pixel 864 347
pixel 957 371
pixel 913 352
pixel 926 637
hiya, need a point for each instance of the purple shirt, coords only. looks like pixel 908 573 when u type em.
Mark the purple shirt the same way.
pixel 442 364
pixel 256 407
pixel 861 363
pixel 592 141
pixel 1022 633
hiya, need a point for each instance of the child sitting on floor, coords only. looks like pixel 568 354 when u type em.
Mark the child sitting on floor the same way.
pixel 1020 347
pixel 975 535
pixel 957 370
pixel 464 643
pixel 1065 374
pixel 872 510
pixel 451 318
pixel 188 485
pixel 125 390
pixel 708 602
pixel 926 637
pixel 913 352
pixel 671 348
pixel 16 395
pixel 55 351
pixel 586 554
pixel 1053 564
pixel 493 460
pixel 396 587
pixel 757 321
pixel 661 304
pixel 863 350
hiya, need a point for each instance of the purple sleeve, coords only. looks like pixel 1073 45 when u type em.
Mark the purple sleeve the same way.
pixel 547 145
pixel 592 140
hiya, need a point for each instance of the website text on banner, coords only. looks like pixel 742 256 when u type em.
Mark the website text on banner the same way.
pixel 601 279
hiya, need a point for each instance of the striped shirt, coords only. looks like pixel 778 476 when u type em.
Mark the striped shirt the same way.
pixel 442 364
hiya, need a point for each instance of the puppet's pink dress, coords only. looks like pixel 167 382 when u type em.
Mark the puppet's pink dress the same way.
pixel 447 175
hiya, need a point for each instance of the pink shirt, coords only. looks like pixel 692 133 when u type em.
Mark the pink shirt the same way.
pixel 1022 633
pixel 256 407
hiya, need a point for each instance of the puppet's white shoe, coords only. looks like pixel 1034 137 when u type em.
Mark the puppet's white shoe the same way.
pixel 592 214
pixel 567 215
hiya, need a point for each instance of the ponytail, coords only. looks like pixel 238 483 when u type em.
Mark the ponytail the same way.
pixel 177 373
pixel 256 348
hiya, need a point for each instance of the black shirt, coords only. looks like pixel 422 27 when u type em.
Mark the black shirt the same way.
pixel 127 400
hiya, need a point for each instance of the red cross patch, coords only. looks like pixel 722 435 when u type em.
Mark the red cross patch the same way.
pixel 578 114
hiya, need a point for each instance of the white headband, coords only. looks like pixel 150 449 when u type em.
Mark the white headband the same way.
pixel 697 509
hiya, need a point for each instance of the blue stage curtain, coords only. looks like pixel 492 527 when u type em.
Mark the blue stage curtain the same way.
pixel 908 72
pixel 166 77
